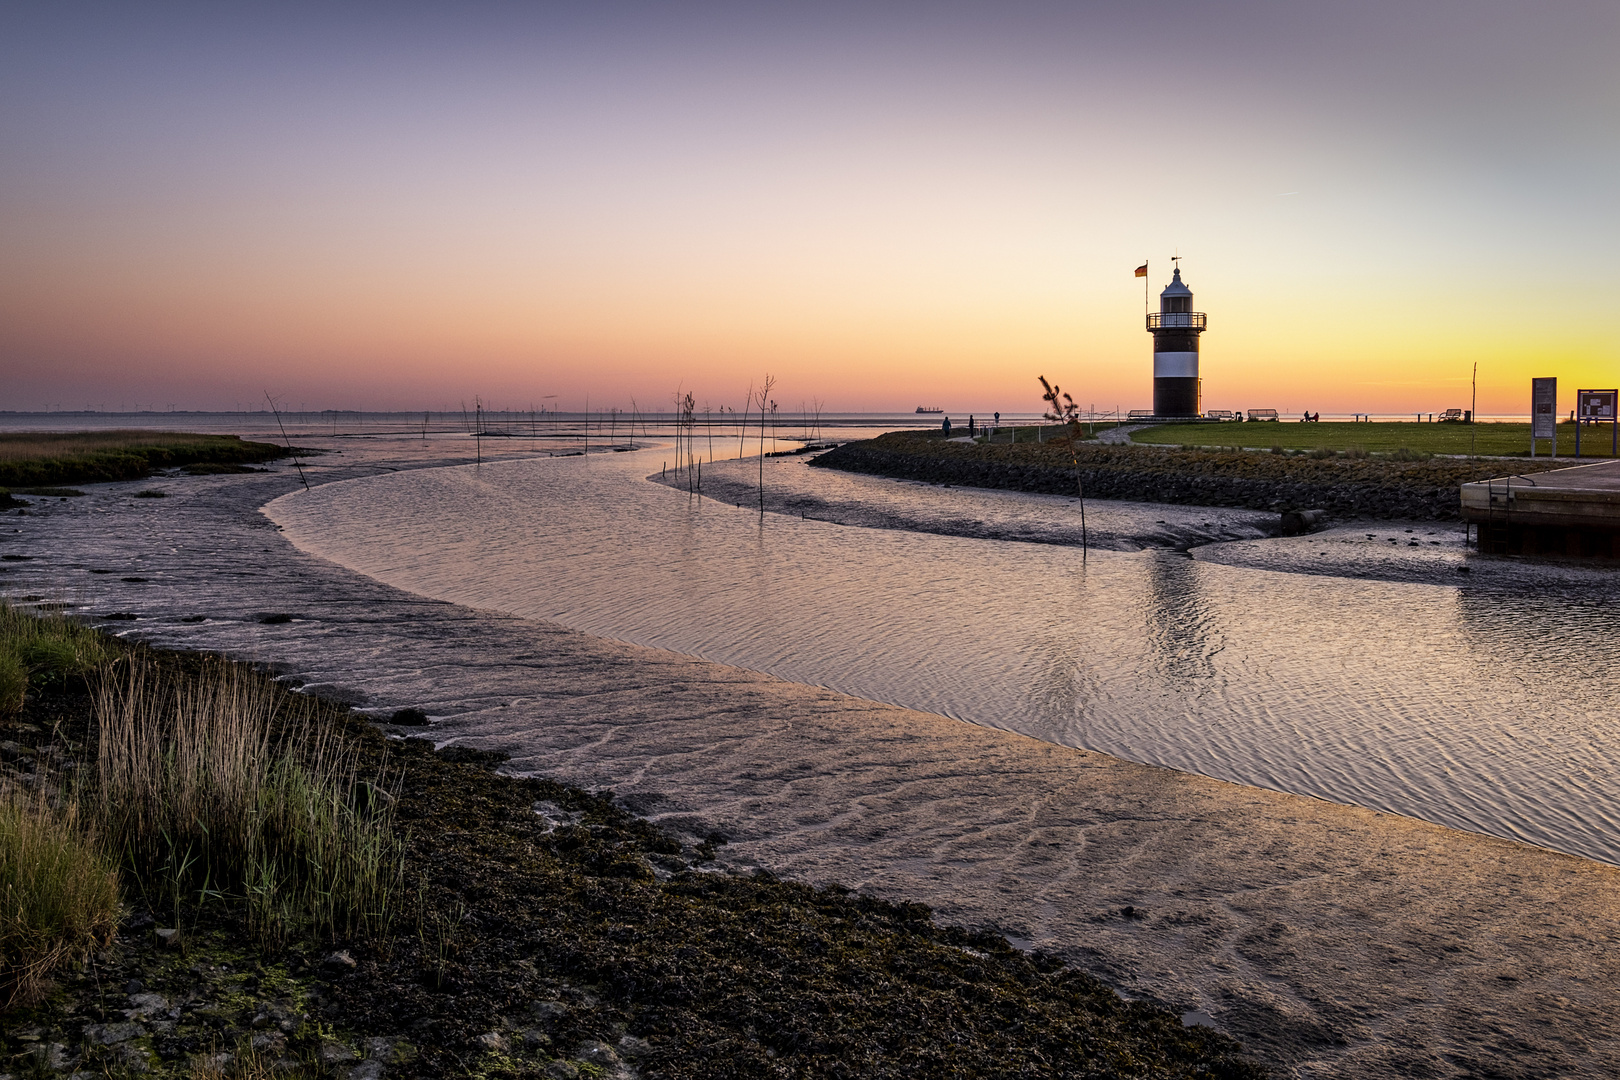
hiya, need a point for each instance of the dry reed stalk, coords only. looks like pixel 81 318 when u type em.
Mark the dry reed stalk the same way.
pixel 209 792
pixel 58 892
pixel 764 403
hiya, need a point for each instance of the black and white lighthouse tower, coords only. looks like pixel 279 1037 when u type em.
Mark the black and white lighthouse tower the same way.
pixel 1175 328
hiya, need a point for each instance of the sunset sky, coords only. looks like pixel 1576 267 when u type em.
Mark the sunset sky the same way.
pixel 884 205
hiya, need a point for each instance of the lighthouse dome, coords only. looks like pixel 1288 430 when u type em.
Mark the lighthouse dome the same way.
pixel 1176 297
pixel 1176 288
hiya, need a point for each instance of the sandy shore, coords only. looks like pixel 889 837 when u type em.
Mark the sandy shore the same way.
pixel 1334 941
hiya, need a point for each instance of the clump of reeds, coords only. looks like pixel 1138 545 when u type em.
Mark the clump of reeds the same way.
pixel 58 892
pixel 210 789
pixel 41 650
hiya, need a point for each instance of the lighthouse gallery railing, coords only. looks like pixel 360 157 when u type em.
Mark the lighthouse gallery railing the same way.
pixel 1176 320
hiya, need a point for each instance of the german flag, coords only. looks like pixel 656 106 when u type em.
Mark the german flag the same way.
pixel 1141 271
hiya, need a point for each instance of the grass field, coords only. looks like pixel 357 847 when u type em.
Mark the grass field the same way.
pixel 1495 440
pixel 39 459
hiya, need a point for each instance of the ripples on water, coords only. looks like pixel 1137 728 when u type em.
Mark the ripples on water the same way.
pixel 1487 711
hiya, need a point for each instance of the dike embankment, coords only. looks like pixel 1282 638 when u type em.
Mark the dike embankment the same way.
pixel 1376 487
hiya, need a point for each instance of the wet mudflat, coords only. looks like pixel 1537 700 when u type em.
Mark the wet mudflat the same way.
pixel 1335 940
pixel 1481 707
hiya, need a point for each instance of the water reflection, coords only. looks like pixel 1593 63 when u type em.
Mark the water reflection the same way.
pixel 1178 626
pixel 1064 681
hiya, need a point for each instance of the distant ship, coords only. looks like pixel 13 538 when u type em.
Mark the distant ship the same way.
pixel 927 411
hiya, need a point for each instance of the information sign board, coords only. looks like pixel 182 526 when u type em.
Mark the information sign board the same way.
pixel 1596 404
pixel 1543 408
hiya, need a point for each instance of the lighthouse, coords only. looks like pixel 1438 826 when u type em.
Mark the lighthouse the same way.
pixel 1175 328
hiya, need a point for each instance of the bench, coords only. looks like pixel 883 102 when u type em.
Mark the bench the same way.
pixel 1451 416
pixel 1221 414
pixel 1139 414
pixel 1262 414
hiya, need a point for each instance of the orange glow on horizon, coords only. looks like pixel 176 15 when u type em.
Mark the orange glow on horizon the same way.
pixel 615 211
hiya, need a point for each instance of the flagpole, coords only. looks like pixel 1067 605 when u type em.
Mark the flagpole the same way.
pixel 1147 306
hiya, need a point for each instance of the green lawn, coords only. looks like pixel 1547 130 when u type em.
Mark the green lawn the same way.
pixel 1489 439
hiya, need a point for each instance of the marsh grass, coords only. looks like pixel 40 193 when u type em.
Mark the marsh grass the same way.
pixel 58 892
pixel 36 459
pixel 222 787
pixel 43 650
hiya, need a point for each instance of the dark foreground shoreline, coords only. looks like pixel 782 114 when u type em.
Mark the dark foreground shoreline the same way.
pixel 1345 487
pixel 548 932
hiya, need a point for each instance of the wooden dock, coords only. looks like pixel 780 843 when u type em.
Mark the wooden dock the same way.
pixel 1571 512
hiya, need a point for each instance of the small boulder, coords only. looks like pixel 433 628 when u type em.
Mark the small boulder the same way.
pixel 168 937
pixel 112 1034
pixel 597 1053
pixel 632 1047
pixel 548 1011
pixel 144 1006
pixel 334 1053
pixel 389 1051
pixel 49 1055
pixel 270 1042
pixel 339 963
pixel 132 1058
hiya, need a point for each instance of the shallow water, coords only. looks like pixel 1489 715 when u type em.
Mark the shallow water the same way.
pixel 1483 709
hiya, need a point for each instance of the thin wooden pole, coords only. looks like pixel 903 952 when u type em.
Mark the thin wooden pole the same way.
pixel 1473 412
